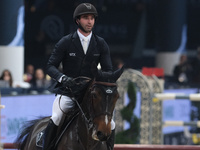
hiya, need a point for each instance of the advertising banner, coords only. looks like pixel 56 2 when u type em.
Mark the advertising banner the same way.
pixel 19 109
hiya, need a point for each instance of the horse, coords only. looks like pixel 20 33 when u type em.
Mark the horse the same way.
pixel 89 127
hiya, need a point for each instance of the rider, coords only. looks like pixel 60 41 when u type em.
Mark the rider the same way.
pixel 75 62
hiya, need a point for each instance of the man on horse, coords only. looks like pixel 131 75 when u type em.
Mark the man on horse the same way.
pixel 76 51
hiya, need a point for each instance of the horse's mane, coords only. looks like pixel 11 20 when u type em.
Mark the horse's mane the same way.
pixel 25 131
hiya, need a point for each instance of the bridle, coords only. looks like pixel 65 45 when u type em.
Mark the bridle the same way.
pixel 108 89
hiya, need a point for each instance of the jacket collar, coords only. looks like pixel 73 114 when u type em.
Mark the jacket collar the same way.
pixel 77 43
pixel 81 36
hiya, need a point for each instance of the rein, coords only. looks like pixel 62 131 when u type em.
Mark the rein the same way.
pixel 107 92
pixel 73 97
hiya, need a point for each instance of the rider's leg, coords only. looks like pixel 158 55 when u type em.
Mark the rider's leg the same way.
pixel 111 140
pixel 48 135
pixel 61 104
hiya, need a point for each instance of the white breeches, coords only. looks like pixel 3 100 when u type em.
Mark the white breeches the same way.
pixel 63 104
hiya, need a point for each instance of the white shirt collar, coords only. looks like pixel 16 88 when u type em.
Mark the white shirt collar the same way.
pixel 81 36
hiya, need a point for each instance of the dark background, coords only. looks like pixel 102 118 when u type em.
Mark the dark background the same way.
pixel 135 30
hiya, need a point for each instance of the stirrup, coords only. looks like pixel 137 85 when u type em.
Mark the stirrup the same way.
pixel 39 139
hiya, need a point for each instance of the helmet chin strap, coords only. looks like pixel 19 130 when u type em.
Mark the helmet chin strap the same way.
pixel 80 27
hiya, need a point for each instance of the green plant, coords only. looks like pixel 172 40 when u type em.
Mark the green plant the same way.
pixel 131 135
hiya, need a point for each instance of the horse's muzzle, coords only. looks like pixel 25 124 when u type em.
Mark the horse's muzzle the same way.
pixel 101 136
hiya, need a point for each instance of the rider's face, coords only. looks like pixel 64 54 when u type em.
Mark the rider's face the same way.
pixel 87 22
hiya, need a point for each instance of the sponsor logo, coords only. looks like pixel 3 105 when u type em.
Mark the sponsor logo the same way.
pixel 109 91
pixel 72 54
pixel 89 6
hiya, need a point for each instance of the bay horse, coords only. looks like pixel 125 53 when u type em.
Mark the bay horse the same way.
pixel 90 127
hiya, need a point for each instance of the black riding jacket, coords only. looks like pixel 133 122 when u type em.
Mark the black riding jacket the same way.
pixel 75 63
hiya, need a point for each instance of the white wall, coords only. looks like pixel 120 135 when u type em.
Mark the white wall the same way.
pixel 12 58
pixel 167 61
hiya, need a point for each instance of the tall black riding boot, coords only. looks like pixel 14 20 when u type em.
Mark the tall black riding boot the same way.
pixel 111 141
pixel 49 136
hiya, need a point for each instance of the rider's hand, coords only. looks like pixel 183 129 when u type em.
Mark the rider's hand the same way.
pixel 67 81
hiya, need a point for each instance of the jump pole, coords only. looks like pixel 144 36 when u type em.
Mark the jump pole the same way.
pixel 181 123
pixel 2 106
pixel 8 146
pixel 131 147
pixel 154 147
pixel 174 96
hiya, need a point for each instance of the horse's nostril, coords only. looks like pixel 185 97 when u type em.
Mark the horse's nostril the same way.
pixel 100 135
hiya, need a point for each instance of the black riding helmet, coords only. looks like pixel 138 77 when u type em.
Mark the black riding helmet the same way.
pixel 84 8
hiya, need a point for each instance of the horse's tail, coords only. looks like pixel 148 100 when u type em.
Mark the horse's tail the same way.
pixel 24 133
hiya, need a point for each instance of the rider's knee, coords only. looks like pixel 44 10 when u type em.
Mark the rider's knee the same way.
pixel 56 119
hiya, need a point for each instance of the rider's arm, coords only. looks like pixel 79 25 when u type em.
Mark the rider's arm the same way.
pixel 55 59
pixel 105 59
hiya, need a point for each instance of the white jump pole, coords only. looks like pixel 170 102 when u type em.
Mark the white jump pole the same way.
pixel 2 106
pixel 177 96
pixel 181 123
pixel 174 96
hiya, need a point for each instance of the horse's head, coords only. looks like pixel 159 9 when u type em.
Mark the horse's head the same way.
pixel 103 96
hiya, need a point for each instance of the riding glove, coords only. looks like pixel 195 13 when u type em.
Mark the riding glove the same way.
pixel 68 81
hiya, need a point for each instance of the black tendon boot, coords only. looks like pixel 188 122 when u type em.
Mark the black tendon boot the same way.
pixel 111 141
pixel 49 135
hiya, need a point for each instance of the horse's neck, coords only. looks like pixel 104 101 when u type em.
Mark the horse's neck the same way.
pixel 85 103
pixel 83 131
pixel 84 115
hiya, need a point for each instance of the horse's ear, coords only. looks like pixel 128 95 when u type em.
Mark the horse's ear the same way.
pixel 118 73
